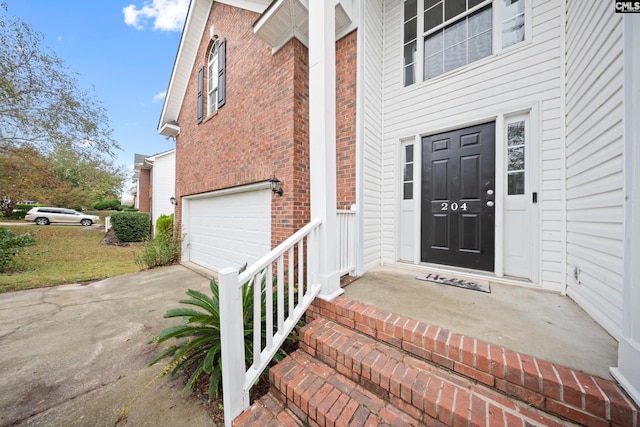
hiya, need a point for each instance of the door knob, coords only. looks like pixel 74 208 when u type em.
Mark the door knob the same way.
pixel 490 203
pixel 490 192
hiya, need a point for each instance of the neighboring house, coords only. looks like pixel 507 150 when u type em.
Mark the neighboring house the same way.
pixel 493 137
pixel 155 178
pixel 142 181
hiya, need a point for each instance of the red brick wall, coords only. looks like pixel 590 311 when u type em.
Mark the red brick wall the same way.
pixel 264 126
pixel 144 191
pixel 346 69
pixel 261 130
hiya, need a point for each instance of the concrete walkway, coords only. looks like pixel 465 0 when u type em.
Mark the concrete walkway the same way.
pixel 538 323
pixel 75 355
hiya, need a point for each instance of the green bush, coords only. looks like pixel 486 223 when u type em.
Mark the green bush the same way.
pixel 164 249
pixel 198 348
pixel 164 225
pixel 12 245
pixel 101 205
pixel 131 226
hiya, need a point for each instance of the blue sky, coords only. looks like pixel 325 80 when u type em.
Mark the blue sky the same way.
pixel 125 49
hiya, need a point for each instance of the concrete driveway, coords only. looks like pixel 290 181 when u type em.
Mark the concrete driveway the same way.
pixel 75 355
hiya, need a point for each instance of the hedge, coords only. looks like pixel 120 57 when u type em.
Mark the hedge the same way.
pixel 131 226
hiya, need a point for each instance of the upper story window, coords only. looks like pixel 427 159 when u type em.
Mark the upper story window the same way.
pixel 216 81
pixel 453 33
pixel 212 79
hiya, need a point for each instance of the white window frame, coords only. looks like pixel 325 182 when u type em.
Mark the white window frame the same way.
pixel 212 79
pixel 497 49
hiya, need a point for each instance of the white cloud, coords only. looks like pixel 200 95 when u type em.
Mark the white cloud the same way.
pixel 59 38
pixel 159 96
pixel 167 15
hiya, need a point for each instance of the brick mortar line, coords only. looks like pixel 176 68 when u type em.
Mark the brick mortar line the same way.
pixel 367 315
pixel 457 390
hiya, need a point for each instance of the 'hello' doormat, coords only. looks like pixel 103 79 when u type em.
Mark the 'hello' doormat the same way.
pixel 476 285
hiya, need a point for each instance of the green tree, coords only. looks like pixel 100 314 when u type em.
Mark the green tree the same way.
pixel 40 103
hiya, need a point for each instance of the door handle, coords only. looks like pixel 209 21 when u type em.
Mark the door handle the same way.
pixel 490 192
pixel 490 203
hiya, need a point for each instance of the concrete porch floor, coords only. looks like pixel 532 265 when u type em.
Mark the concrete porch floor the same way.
pixel 538 323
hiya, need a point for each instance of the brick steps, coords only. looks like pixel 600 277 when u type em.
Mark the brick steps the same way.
pixel 413 373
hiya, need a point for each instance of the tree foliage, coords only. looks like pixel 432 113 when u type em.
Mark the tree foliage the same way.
pixel 41 105
pixel 60 178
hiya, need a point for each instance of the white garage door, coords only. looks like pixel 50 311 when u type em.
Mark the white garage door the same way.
pixel 229 230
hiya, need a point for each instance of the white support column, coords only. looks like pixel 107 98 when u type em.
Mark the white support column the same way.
pixel 322 140
pixel 628 371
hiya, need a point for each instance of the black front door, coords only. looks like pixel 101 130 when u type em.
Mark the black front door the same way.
pixel 458 198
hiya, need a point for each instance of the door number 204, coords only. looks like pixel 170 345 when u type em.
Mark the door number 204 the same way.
pixel 446 206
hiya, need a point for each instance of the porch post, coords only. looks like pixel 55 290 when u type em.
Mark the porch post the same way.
pixel 628 371
pixel 322 140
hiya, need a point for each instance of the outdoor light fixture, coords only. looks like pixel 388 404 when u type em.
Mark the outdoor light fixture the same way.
pixel 275 186
pixel 172 200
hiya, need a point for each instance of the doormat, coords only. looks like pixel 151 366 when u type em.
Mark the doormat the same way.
pixel 476 285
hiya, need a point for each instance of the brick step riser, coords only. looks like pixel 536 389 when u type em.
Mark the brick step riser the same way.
pixel 319 396
pixel 554 389
pixel 419 389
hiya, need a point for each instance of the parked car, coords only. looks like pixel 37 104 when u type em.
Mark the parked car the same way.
pixel 45 216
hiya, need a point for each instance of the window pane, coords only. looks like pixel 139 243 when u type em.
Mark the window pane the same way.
pixel 433 66
pixel 465 41
pixel 455 33
pixel 407 191
pixel 515 183
pixel 408 153
pixel 433 17
pixel 480 22
pixel 479 46
pixel 453 8
pixel 516 159
pixel 408 172
pixel 409 74
pixel 515 133
pixel 410 9
pixel 512 8
pixel 410 53
pixel 455 57
pixel 410 30
pixel 513 31
pixel 474 3
pixel 430 3
pixel 512 22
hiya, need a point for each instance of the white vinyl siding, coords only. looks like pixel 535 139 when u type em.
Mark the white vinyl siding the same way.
pixel 527 75
pixel 595 180
pixel 371 129
pixel 163 186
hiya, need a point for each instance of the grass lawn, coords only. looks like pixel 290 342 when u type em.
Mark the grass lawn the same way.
pixel 66 254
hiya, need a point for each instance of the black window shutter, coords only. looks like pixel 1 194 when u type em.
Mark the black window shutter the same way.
pixel 222 73
pixel 200 100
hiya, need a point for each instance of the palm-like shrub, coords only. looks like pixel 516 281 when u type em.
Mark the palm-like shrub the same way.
pixel 198 349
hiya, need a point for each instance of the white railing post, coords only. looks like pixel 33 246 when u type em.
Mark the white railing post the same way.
pixel 236 398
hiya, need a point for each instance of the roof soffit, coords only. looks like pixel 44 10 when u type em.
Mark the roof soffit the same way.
pixel 285 19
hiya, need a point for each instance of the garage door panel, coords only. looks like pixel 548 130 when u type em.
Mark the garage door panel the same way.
pixel 230 230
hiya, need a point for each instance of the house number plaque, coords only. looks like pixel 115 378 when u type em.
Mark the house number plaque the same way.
pixel 453 206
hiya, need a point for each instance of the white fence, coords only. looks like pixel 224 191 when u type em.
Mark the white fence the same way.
pixel 347 240
pixel 296 265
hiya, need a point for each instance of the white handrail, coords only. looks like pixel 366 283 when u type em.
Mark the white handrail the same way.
pixel 236 381
pixel 347 240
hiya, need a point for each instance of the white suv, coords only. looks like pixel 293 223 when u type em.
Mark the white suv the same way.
pixel 45 216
